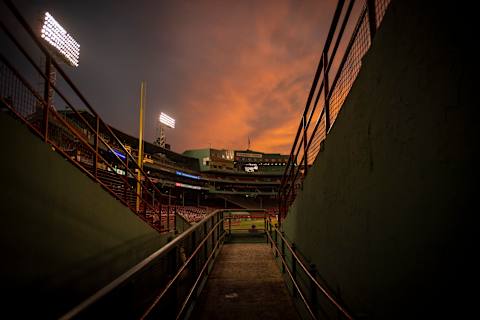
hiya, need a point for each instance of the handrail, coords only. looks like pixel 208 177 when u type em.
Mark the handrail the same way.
pixel 195 285
pixel 129 164
pixel 308 273
pixel 182 268
pixel 146 262
pixel 307 140
pixel 331 32
pixel 284 263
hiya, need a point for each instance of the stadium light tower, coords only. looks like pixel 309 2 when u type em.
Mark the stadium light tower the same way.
pixel 62 45
pixel 165 121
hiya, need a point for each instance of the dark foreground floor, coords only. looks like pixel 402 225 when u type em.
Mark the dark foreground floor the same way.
pixel 245 283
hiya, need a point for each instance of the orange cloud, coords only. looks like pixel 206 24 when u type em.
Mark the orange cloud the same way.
pixel 246 71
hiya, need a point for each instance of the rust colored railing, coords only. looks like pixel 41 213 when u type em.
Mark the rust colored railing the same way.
pixel 51 111
pixel 339 65
pixel 298 270
pixel 162 285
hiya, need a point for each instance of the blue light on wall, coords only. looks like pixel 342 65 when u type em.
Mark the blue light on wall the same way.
pixel 118 153
pixel 180 173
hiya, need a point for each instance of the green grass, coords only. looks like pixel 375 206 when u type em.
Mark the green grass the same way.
pixel 246 224
pixel 240 231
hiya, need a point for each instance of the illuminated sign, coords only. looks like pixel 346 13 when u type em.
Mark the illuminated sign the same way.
pixel 180 173
pixel 178 184
pixel 119 171
pixel 251 167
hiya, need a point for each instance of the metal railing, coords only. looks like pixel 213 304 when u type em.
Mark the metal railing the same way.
pixel 82 137
pixel 304 283
pixel 339 65
pixel 164 284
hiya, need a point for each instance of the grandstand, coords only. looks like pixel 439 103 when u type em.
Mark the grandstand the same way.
pixel 189 184
pixel 208 177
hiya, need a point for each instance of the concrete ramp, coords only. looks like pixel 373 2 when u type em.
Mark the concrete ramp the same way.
pixel 245 283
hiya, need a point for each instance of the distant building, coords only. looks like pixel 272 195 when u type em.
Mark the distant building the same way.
pixel 239 161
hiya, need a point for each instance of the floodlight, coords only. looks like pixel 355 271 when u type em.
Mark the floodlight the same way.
pixel 53 33
pixel 167 120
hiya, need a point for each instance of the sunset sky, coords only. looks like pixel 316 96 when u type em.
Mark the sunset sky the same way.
pixel 225 70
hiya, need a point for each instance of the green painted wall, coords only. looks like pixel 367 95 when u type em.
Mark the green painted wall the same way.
pixel 386 210
pixel 62 236
pixel 199 154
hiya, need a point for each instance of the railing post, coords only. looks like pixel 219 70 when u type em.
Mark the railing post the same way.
pixel 215 231
pixel 175 219
pixel 46 95
pixel 280 203
pixel 305 151
pixel 276 243
pixel 205 244
pixel 221 227
pixel 269 234
pixel 125 184
pixel 265 226
pixel 160 211
pixel 153 201
pixel 194 259
pixel 372 18
pixel 294 270
pixel 168 217
pixel 326 90
pixel 174 216
pixel 284 210
pixel 230 224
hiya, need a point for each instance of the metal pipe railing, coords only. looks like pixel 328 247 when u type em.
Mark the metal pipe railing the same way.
pixel 197 281
pixel 289 272
pixel 216 219
pixel 182 268
pixel 296 260
pixel 306 139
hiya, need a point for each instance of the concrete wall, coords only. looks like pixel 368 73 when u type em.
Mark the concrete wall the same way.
pixel 62 236
pixel 386 210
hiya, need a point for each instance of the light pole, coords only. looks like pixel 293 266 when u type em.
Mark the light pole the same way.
pixel 64 47
pixel 143 94
pixel 165 121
